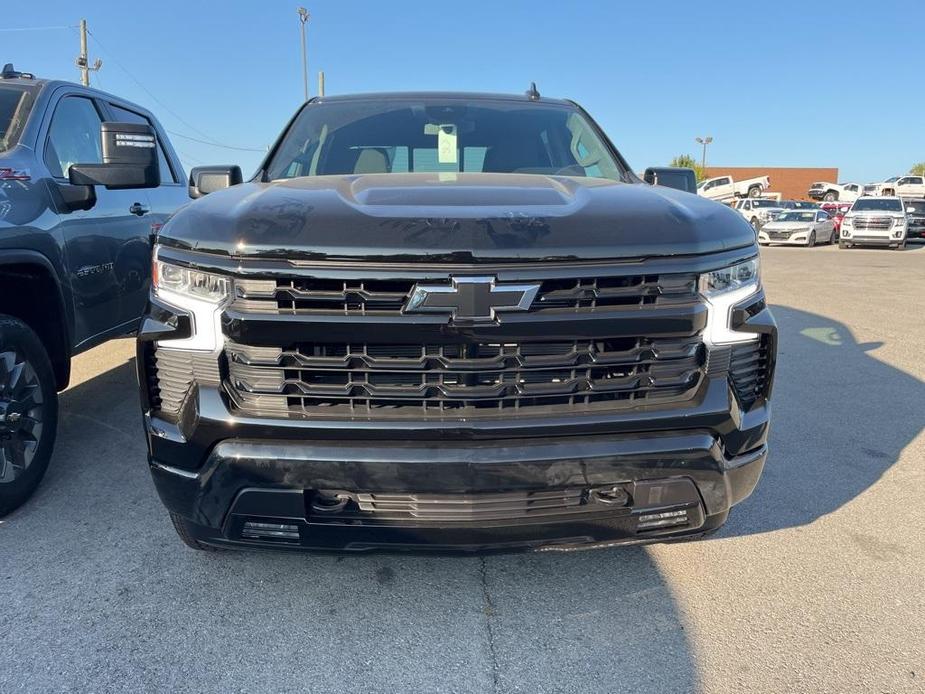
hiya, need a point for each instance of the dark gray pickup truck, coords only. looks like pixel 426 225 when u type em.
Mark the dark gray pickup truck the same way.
pixel 452 321
pixel 76 222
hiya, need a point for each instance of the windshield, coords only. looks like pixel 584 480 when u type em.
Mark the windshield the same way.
pixel 441 135
pixel 797 217
pixel 15 103
pixel 765 203
pixel 878 204
pixel 917 206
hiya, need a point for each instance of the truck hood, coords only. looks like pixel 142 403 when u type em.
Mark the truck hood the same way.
pixel 454 218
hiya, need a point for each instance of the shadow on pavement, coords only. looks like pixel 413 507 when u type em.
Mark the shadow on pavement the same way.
pixel 841 419
pixel 102 596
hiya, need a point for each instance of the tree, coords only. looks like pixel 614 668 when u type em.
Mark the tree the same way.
pixel 686 161
pixel 918 169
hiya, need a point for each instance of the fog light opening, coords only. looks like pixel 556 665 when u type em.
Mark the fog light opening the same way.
pixel 665 519
pixel 254 530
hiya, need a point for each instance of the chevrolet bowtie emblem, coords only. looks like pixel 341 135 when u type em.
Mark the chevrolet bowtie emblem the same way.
pixel 471 299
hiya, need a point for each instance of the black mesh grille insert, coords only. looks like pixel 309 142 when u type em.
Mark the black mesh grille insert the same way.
pixel 461 379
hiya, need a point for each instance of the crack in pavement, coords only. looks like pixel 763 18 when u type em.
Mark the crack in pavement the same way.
pixel 489 611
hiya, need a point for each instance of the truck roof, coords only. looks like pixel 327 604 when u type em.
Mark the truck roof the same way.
pixel 29 80
pixel 462 96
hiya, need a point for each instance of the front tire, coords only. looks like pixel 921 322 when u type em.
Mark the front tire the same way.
pixel 754 191
pixel 811 241
pixel 28 412
pixel 830 196
pixel 843 244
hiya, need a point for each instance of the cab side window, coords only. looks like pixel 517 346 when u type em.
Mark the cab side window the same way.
pixel 125 116
pixel 74 136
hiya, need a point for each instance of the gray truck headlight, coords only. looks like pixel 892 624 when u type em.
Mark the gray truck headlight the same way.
pixel 200 294
pixel 184 281
pixel 722 289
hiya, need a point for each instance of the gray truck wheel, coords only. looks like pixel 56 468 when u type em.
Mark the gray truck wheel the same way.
pixel 830 196
pixel 754 191
pixel 28 412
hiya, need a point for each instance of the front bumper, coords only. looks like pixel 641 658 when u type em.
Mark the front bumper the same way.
pixel 866 239
pixel 682 480
pixel 797 238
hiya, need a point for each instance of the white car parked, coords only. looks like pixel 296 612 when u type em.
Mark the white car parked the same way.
pixel 830 192
pixel 875 221
pixel 724 188
pixel 800 228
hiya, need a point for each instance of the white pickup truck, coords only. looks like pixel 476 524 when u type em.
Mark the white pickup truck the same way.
pixel 830 192
pixel 759 211
pixel 723 188
pixel 905 187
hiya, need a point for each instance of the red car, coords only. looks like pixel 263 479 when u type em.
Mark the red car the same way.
pixel 837 210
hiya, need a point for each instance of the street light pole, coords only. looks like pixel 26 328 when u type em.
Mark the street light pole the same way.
pixel 703 162
pixel 303 20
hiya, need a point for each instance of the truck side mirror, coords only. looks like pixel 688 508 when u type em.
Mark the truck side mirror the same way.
pixel 207 179
pixel 672 177
pixel 129 159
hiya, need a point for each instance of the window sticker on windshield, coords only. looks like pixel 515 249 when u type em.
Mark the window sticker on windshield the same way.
pixel 446 144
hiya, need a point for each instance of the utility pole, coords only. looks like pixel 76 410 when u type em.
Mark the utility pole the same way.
pixel 321 83
pixel 83 61
pixel 303 20
pixel 703 162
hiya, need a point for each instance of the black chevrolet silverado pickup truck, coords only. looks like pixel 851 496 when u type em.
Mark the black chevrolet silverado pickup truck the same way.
pixel 453 322
pixel 77 210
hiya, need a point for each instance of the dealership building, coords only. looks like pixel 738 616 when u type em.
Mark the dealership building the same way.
pixel 791 182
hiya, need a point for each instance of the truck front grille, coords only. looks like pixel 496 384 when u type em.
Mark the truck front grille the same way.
pixel 313 295
pixel 466 379
pixel 873 223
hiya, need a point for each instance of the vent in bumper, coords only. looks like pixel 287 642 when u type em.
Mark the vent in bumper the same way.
pixel 749 368
pixel 171 374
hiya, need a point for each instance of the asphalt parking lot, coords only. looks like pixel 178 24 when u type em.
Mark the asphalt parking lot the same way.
pixel 816 584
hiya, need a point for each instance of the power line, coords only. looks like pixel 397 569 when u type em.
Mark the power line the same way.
pixel 63 26
pixel 169 110
pixel 214 144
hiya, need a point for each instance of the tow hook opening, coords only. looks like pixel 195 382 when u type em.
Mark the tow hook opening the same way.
pixel 615 495
pixel 323 501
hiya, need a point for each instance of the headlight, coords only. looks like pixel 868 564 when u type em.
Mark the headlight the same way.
pixel 846 222
pixel 723 289
pixel 175 279
pixel 201 295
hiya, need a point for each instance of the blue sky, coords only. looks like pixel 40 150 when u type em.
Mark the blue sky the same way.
pixel 788 84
